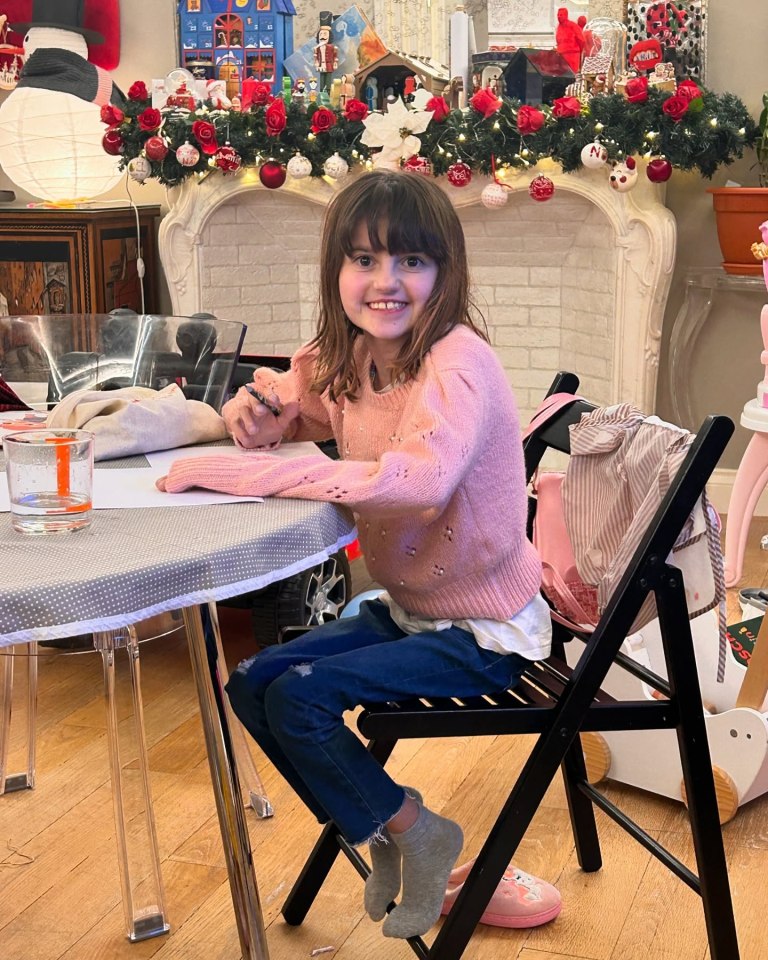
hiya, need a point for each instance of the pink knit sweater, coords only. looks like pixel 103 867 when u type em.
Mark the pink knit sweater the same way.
pixel 433 471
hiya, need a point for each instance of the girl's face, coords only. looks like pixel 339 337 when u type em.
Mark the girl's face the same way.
pixel 384 294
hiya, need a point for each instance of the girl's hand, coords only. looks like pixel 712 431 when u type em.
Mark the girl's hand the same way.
pixel 251 424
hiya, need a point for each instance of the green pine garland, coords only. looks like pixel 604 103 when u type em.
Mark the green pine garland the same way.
pixel 715 131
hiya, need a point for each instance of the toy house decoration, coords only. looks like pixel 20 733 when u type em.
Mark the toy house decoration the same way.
pixel 233 40
pixel 536 76
pixel 397 75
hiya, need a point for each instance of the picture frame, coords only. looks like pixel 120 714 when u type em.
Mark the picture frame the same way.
pixel 681 29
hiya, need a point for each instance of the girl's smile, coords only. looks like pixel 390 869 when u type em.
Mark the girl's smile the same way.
pixel 384 294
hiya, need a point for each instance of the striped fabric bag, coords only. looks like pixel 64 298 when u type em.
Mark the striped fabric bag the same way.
pixel 622 464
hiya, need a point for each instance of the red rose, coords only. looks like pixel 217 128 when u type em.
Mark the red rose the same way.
pixel 529 120
pixel 149 119
pixel 636 90
pixel 323 119
pixel 439 108
pixel 138 91
pixel 688 89
pixel 205 134
pixel 262 94
pixel 275 117
pixel 566 107
pixel 111 115
pixel 356 111
pixel 675 107
pixel 485 102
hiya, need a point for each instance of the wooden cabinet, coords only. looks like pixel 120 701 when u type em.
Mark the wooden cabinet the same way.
pixel 77 261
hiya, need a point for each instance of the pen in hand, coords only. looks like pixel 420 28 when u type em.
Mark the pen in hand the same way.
pixel 274 409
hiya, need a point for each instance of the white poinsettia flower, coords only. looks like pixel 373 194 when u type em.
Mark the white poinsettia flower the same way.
pixel 394 131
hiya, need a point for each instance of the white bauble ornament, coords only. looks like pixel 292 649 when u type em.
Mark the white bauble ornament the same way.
pixel 139 168
pixel 187 155
pixel 623 176
pixel 594 155
pixel 493 196
pixel 299 167
pixel 336 167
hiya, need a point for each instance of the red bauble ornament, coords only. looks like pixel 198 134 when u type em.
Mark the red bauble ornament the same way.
pixel 541 188
pixel 228 159
pixel 419 165
pixel 112 143
pixel 272 174
pixel 459 174
pixel 659 170
pixel 156 148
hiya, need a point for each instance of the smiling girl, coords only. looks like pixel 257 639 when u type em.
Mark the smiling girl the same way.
pixel 402 377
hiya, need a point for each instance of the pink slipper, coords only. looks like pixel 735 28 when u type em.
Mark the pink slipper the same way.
pixel 520 900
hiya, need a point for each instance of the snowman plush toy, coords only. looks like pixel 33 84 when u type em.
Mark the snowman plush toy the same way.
pixel 53 116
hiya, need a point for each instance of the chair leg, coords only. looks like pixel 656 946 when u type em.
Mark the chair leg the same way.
pixel 322 857
pixel 310 880
pixel 581 810
pixel 139 860
pixel 697 776
pixel 11 782
pixel 254 788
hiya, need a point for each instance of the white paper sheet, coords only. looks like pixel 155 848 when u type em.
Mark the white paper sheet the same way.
pixel 132 488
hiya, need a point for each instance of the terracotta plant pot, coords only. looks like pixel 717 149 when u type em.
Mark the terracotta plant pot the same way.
pixel 739 211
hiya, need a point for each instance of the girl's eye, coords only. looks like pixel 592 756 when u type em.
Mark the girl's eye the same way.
pixel 364 260
pixel 414 261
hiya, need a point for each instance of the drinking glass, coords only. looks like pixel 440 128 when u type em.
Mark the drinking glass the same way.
pixel 50 479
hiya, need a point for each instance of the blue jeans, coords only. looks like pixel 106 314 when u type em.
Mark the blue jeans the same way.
pixel 291 698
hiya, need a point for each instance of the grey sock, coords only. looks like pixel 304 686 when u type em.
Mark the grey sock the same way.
pixel 430 849
pixel 383 884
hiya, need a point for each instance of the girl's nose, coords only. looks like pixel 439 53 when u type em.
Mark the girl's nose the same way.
pixel 387 277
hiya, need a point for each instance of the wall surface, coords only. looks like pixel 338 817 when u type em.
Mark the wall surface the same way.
pixel 725 365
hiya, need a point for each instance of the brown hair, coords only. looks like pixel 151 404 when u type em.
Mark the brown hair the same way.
pixel 418 218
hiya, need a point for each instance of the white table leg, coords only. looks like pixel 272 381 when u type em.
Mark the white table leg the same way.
pixel 138 856
pixel 207 671
pixel 254 788
pixel 10 660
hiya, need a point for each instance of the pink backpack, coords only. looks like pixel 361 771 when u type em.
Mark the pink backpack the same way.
pixel 575 602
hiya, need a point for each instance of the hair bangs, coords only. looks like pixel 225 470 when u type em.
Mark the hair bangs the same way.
pixel 395 219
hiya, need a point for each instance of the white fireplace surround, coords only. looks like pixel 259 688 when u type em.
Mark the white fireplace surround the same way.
pixel 579 282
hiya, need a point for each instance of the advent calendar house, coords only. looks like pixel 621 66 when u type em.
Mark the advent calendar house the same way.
pixel 234 39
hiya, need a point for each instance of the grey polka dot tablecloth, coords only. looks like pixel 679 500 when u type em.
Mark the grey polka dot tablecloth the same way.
pixel 131 564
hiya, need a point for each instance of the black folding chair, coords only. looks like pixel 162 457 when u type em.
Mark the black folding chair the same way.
pixel 557 703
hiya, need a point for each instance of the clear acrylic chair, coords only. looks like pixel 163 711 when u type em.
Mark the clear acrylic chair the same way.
pixel 44 358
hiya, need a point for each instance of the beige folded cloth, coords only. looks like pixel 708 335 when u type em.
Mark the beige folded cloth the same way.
pixel 137 419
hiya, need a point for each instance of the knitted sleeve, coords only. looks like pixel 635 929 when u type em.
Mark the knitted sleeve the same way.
pixel 447 425
pixel 313 422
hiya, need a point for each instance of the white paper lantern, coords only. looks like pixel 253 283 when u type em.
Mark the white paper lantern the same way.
pixel 336 167
pixel 299 167
pixel 50 146
pixel 493 196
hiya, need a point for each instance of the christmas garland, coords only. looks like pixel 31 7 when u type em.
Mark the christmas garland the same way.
pixel 693 129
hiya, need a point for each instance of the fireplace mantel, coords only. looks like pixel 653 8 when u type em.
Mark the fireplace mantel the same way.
pixel 641 247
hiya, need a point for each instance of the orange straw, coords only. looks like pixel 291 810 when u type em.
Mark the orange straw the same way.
pixel 62 464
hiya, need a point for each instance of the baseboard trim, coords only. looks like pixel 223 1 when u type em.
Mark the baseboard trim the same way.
pixel 719 489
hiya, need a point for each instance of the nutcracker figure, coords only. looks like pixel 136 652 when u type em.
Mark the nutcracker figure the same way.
pixel 326 57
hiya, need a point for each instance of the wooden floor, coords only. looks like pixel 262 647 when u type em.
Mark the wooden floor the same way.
pixel 59 889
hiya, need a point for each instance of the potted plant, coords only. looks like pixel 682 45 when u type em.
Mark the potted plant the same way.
pixel 739 211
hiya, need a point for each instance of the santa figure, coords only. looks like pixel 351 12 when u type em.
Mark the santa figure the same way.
pixel 326 57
